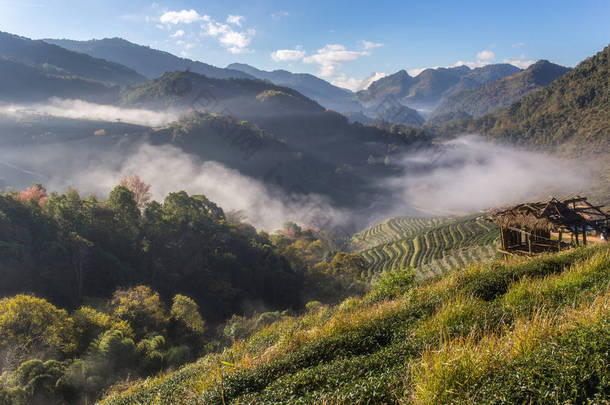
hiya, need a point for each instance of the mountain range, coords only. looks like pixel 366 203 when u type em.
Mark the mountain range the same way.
pixel 500 93
pixel 152 63
pixel 326 94
pixel 55 60
pixel 425 90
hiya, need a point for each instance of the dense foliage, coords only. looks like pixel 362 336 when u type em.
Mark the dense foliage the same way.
pixel 70 247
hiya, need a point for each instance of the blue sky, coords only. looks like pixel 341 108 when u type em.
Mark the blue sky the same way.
pixel 344 42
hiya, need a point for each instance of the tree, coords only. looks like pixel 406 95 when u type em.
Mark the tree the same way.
pixel 142 308
pixel 140 190
pixel 36 193
pixel 186 311
pixel 30 323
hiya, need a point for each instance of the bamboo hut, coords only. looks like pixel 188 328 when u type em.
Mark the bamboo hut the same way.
pixel 532 228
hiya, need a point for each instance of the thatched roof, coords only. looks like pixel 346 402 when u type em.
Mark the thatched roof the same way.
pixel 551 215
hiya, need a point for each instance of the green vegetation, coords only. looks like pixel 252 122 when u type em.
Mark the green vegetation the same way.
pixel 430 245
pixel 533 330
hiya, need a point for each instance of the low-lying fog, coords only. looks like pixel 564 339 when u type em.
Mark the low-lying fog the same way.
pixel 465 175
pixel 79 109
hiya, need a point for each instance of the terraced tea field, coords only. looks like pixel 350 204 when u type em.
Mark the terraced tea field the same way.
pixel 431 246
pixel 393 229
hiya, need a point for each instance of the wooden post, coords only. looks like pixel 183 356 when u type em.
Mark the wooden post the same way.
pixel 529 242
pixel 576 235
pixel 502 237
pixel 559 239
pixel 584 235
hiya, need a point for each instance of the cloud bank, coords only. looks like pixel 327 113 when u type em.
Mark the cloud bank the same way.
pixel 469 174
pixel 79 109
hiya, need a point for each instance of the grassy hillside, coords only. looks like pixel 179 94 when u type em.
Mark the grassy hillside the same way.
pixel 525 331
pixel 442 244
pixel 498 94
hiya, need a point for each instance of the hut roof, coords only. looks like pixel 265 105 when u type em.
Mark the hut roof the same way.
pixel 551 215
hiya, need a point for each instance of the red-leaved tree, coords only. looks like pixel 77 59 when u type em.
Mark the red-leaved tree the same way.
pixel 36 193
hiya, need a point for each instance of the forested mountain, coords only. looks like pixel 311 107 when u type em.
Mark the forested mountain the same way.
pixel 304 125
pixel 150 62
pixel 59 61
pixel 327 95
pixel 23 83
pixel 430 86
pixel 571 112
pixel 498 94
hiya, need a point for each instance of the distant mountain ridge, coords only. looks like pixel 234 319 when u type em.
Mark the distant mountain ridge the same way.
pixel 326 94
pixel 59 61
pixel 152 63
pixel 572 111
pixel 426 90
pixel 498 94
pixel 23 83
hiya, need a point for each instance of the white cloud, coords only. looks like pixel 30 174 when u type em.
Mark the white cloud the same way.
pixel 235 19
pixel 518 44
pixel 279 15
pixel 355 84
pixel 371 45
pixel 234 40
pixel 520 63
pixel 283 55
pixel 182 17
pixel 486 56
pixel 332 57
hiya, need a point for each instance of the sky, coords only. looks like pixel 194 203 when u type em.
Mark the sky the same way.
pixel 349 43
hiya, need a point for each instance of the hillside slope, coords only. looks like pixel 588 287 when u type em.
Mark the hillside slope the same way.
pixel 152 63
pixel 59 61
pixel 498 94
pixel 430 246
pixel 503 333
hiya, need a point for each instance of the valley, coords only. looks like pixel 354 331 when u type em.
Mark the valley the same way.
pixel 218 226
